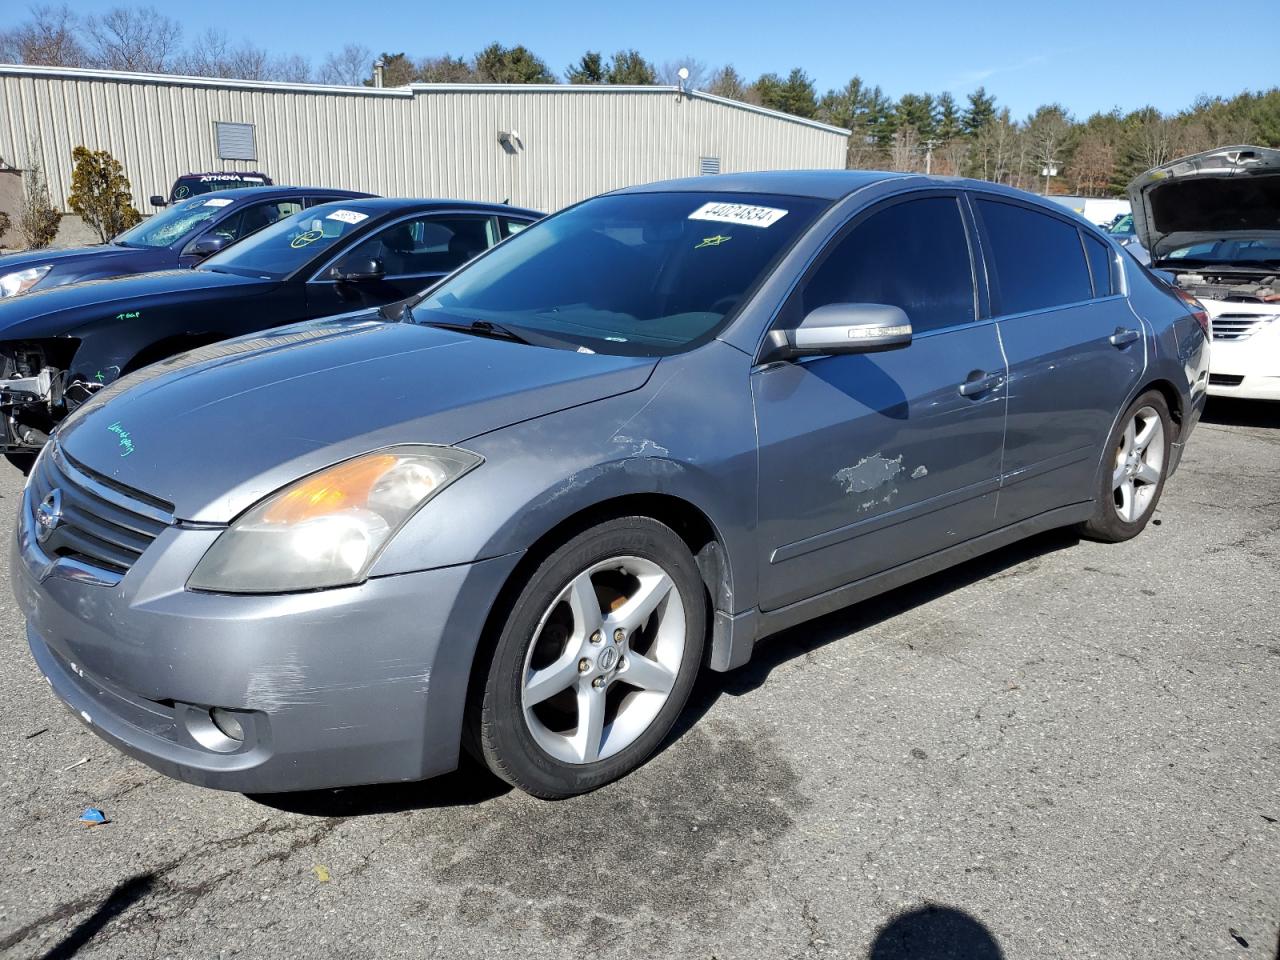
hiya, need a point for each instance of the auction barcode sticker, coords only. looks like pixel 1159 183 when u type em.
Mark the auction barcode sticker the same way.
pixel 217 202
pixel 347 216
pixel 743 213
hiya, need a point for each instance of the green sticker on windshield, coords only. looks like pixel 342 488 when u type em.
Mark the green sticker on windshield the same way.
pixel 713 241
pixel 302 239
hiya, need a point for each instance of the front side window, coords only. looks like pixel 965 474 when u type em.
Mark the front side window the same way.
pixel 427 245
pixel 254 218
pixel 644 274
pixel 1035 261
pixel 290 244
pixel 169 226
pixel 913 255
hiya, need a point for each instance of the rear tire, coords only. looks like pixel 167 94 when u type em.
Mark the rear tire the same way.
pixel 596 660
pixel 1133 470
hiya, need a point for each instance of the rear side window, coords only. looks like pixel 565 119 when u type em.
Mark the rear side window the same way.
pixel 1035 261
pixel 912 255
pixel 1099 255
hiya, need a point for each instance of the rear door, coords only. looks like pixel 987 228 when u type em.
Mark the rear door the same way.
pixel 414 253
pixel 868 461
pixel 1075 351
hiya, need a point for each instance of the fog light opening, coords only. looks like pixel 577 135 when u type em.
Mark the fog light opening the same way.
pixel 228 724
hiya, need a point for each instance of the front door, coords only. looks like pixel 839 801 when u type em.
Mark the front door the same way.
pixel 873 460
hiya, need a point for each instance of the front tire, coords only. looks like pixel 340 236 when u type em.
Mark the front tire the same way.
pixel 596 660
pixel 1134 466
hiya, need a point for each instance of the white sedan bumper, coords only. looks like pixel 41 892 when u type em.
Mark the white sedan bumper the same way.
pixel 1245 357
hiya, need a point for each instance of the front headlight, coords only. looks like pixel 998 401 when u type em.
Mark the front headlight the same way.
pixel 326 530
pixel 20 281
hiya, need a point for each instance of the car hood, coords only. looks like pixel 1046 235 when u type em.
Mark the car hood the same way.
pixel 1230 192
pixel 56 311
pixel 71 257
pixel 214 430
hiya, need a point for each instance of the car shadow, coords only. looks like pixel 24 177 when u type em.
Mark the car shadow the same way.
pixel 798 641
pixel 472 783
pixel 934 932
pixel 1231 412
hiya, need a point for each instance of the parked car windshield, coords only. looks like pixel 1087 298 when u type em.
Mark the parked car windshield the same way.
pixel 642 274
pixel 169 226
pixel 1260 251
pixel 278 250
pixel 194 186
pixel 1123 225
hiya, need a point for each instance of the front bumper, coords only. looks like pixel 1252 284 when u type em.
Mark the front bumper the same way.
pixel 362 684
pixel 1249 367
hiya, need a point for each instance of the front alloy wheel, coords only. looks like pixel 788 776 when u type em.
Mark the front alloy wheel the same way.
pixel 596 660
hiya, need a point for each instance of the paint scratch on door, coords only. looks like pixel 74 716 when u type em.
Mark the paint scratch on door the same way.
pixel 868 473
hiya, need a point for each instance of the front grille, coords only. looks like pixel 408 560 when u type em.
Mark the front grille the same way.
pixel 103 523
pixel 1225 380
pixel 1236 326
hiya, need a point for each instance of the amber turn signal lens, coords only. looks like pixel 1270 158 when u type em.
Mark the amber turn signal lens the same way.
pixel 331 490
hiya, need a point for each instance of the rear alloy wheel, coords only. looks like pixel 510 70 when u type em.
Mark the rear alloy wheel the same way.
pixel 1133 472
pixel 596 661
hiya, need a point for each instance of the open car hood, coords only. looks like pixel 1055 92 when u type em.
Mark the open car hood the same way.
pixel 1223 194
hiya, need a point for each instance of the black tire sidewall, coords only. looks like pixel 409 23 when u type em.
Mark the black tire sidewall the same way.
pixel 506 744
pixel 1106 523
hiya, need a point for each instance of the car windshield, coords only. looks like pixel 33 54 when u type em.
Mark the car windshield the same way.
pixel 174 224
pixel 287 245
pixel 1245 251
pixel 194 186
pixel 1123 225
pixel 643 274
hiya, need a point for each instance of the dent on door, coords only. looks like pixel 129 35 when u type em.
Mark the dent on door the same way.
pixel 869 461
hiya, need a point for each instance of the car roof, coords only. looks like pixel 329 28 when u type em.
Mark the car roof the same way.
pixel 822 184
pixel 835 185
pixel 259 193
pixel 389 205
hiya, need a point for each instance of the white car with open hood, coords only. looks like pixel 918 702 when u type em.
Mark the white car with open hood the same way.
pixel 1212 221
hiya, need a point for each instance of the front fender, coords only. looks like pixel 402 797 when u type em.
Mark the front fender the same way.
pixel 688 434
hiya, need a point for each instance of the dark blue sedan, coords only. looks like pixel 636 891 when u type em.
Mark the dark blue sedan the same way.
pixel 181 236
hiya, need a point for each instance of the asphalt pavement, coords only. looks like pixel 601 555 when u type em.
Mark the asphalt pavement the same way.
pixel 1061 750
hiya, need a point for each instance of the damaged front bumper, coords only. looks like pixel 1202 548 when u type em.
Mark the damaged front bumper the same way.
pixel 337 687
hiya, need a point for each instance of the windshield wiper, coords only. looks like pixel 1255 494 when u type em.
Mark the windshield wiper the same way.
pixel 479 328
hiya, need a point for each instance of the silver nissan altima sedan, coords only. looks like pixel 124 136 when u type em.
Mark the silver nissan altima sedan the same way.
pixel 521 512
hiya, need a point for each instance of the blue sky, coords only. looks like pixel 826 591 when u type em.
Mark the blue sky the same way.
pixel 1086 54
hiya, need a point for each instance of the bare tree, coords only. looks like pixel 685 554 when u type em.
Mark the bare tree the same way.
pixel 48 38
pixel 349 67
pixel 1048 131
pixel 445 69
pixel 1092 166
pixel 904 152
pixel 669 73
pixel 291 69
pixel 38 219
pixel 133 38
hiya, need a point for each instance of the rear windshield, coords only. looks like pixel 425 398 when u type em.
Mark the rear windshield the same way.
pixel 207 183
pixel 174 224
pixel 644 274
pixel 290 244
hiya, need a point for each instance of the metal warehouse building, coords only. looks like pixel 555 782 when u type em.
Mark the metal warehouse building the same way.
pixel 542 146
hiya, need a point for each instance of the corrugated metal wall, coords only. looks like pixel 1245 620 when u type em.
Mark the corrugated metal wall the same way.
pixel 427 140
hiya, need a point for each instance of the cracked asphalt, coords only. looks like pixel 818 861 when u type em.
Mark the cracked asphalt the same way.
pixel 1064 749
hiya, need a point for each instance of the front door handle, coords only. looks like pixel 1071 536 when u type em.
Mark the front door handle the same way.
pixel 979 382
pixel 1123 337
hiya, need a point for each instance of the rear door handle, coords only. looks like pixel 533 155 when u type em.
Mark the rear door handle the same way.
pixel 1123 337
pixel 978 383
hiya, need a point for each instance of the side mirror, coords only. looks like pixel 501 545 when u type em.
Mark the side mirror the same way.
pixel 353 271
pixel 205 246
pixel 158 201
pixel 842 328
